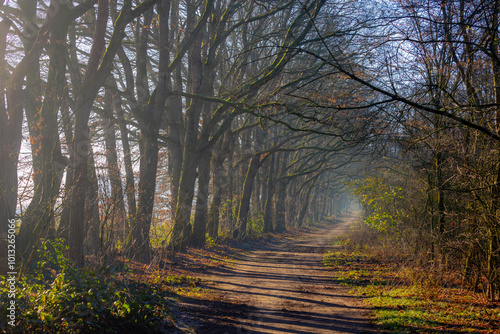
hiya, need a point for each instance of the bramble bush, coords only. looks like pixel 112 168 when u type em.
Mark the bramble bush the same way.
pixel 56 297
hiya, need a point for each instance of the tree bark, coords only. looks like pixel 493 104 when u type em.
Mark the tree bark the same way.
pixel 244 206
pixel 268 210
pixel 181 230
pixel 81 140
pixel 138 242
pixel 98 69
pixel 150 123
pixel 493 286
pixel 95 237
pixel 201 210
pixel 117 209
pixel 129 171
pixel 218 177
pixel 280 208
pixel 305 206
pixel 5 211
pixel 48 161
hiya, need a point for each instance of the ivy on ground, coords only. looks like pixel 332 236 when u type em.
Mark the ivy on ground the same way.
pixel 55 297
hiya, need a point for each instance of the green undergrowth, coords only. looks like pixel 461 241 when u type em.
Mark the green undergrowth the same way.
pixel 58 298
pixel 406 299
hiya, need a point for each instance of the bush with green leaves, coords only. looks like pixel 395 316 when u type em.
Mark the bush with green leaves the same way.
pixel 256 223
pixel 383 201
pixel 56 297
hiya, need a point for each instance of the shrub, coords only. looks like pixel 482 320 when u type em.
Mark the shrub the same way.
pixel 56 297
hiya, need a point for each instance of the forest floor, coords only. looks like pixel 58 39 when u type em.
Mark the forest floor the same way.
pixel 309 281
pixel 277 286
pixel 320 279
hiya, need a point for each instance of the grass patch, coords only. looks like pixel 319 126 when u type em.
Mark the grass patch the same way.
pixel 403 304
pixel 182 280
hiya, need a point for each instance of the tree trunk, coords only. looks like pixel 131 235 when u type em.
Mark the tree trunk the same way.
pixel 11 118
pixel 5 212
pixel 138 242
pixel 291 204
pixel 280 208
pixel 181 231
pixel 174 121
pixel 213 217
pixel 244 206
pixel 48 162
pixel 95 235
pixel 201 210
pixel 268 210
pixel 129 171
pixel 255 200
pixel 81 140
pixel 150 125
pixel 219 155
pixel 315 209
pixel 182 227
pixel 230 189
pixel 117 209
pixel 493 287
pixel 305 206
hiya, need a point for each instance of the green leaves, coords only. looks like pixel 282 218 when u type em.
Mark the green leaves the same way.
pixel 383 201
pixel 57 297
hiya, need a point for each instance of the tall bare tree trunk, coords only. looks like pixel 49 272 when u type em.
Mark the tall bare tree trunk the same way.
pixel 127 159
pixel 174 119
pixel 214 213
pixel 11 118
pixel 493 286
pixel 181 230
pixel 151 120
pixel 305 205
pixel 5 212
pixel 280 208
pixel 268 210
pixel 201 210
pixel 39 216
pixel 219 155
pixel 139 238
pixel 117 210
pixel 81 139
pixel 94 235
pixel 244 206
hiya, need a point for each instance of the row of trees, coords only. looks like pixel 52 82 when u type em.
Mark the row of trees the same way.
pixel 197 99
pixel 442 91
pixel 200 117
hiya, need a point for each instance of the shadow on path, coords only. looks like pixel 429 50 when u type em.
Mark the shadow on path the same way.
pixel 281 287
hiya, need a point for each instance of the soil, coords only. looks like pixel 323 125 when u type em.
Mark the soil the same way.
pixel 280 286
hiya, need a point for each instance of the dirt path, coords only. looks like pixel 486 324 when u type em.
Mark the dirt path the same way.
pixel 284 288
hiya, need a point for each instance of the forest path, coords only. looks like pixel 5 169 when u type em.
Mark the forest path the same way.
pixel 283 287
